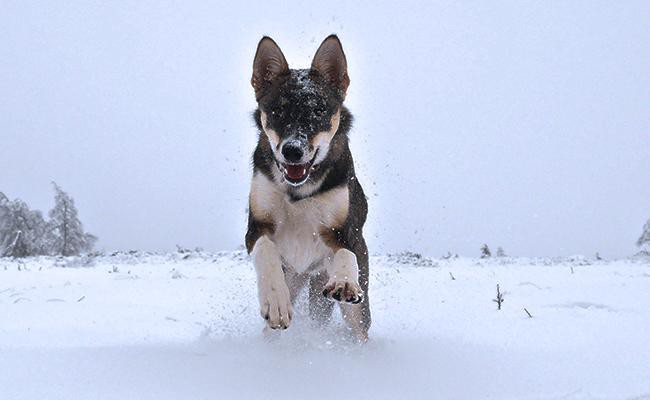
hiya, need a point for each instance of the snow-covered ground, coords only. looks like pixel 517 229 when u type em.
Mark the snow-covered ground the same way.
pixel 186 326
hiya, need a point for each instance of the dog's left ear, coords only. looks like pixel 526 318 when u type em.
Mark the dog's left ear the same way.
pixel 330 62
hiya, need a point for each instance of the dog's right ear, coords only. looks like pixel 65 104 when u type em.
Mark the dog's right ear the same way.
pixel 269 63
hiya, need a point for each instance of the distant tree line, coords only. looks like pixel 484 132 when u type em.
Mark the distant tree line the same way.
pixel 25 232
pixel 643 242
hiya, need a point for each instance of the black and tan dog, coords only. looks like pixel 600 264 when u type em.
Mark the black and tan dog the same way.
pixel 307 208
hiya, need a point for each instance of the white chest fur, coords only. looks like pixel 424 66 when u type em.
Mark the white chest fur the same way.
pixel 298 225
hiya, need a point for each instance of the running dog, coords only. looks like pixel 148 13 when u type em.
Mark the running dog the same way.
pixel 306 207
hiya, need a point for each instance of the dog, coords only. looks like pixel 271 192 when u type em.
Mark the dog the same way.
pixel 306 206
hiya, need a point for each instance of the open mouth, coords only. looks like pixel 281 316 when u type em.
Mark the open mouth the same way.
pixel 295 174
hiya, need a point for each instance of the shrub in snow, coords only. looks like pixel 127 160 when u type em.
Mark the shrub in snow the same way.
pixel 411 258
pixel 182 250
pixel 499 299
pixel 501 252
pixel 485 251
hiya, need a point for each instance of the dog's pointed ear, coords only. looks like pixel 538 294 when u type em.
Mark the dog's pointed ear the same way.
pixel 330 62
pixel 269 63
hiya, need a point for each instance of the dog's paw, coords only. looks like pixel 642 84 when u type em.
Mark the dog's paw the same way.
pixel 343 290
pixel 275 306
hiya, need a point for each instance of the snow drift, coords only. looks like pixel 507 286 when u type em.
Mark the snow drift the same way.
pixel 186 326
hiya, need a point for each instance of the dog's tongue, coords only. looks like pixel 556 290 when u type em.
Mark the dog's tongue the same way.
pixel 296 171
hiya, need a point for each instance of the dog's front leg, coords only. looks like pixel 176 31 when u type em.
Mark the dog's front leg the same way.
pixel 274 296
pixel 343 283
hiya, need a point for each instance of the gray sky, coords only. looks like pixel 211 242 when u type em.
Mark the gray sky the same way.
pixel 520 124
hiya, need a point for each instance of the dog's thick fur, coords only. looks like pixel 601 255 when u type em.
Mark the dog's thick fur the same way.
pixel 306 207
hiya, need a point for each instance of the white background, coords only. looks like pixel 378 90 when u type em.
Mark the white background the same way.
pixel 520 124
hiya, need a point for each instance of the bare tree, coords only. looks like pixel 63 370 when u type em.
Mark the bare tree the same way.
pixel 68 236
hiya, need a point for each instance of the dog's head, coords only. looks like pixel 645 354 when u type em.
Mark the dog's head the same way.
pixel 299 110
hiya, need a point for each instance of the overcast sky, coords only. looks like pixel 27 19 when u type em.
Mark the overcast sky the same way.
pixel 521 124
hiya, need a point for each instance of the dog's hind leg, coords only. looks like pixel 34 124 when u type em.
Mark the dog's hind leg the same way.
pixel 320 309
pixel 357 316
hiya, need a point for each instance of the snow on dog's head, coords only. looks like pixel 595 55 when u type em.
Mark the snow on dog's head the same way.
pixel 300 110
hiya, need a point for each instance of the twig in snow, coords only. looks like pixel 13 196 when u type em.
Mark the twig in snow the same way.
pixel 81 298
pixel 529 314
pixel 452 276
pixel 499 298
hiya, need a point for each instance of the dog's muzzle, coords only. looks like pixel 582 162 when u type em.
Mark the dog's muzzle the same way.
pixel 296 174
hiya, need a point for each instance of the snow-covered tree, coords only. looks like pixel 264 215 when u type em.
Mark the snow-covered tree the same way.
pixel 485 251
pixel 644 239
pixel 68 236
pixel 6 225
pixel 23 232
pixel 4 217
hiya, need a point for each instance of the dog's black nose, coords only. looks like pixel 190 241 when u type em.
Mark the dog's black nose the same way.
pixel 292 152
